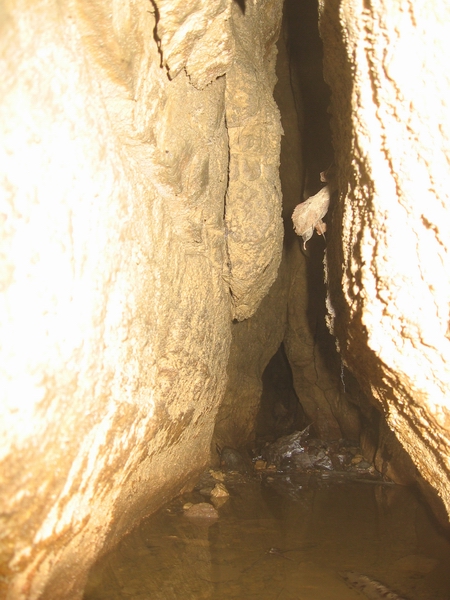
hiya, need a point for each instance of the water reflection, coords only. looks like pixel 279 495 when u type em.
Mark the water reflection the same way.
pixel 282 538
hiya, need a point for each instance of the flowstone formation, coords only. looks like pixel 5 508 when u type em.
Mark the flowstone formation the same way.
pixel 118 120
pixel 254 228
pixel 388 253
pixel 293 310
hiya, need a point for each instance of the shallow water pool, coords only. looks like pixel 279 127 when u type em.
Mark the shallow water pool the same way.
pixel 284 537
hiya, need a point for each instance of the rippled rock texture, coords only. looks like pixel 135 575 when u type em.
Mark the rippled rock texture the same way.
pixel 139 157
pixel 140 214
pixel 388 253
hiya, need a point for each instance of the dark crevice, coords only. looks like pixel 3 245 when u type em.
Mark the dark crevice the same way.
pixel 241 4
pixel 306 59
pixel 280 411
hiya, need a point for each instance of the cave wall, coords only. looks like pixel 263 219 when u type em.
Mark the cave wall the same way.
pixel 140 214
pixel 293 312
pixel 123 229
pixel 388 245
pixel 254 342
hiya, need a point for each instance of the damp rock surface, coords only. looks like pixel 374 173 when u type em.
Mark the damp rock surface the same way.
pixel 388 244
pixel 233 460
pixel 119 125
pixel 202 510
pixel 301 453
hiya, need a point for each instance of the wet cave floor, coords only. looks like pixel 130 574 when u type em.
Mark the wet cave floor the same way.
pixel 282 536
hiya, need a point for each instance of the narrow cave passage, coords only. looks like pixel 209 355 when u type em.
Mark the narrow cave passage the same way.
pixel 280 411
pixel 294 528
pixel 166 351
pixel 293 315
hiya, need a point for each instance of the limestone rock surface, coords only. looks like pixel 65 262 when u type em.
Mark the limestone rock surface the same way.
pixel 293 310
pixel 254 341
pixel 114 276
pixel 195 36
pixel 254 228
pixel 388 254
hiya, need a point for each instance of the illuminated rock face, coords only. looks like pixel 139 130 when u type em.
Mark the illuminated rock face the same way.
pixel 293 310
pixel 388 254
pixel 140 214
pixel 118 121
